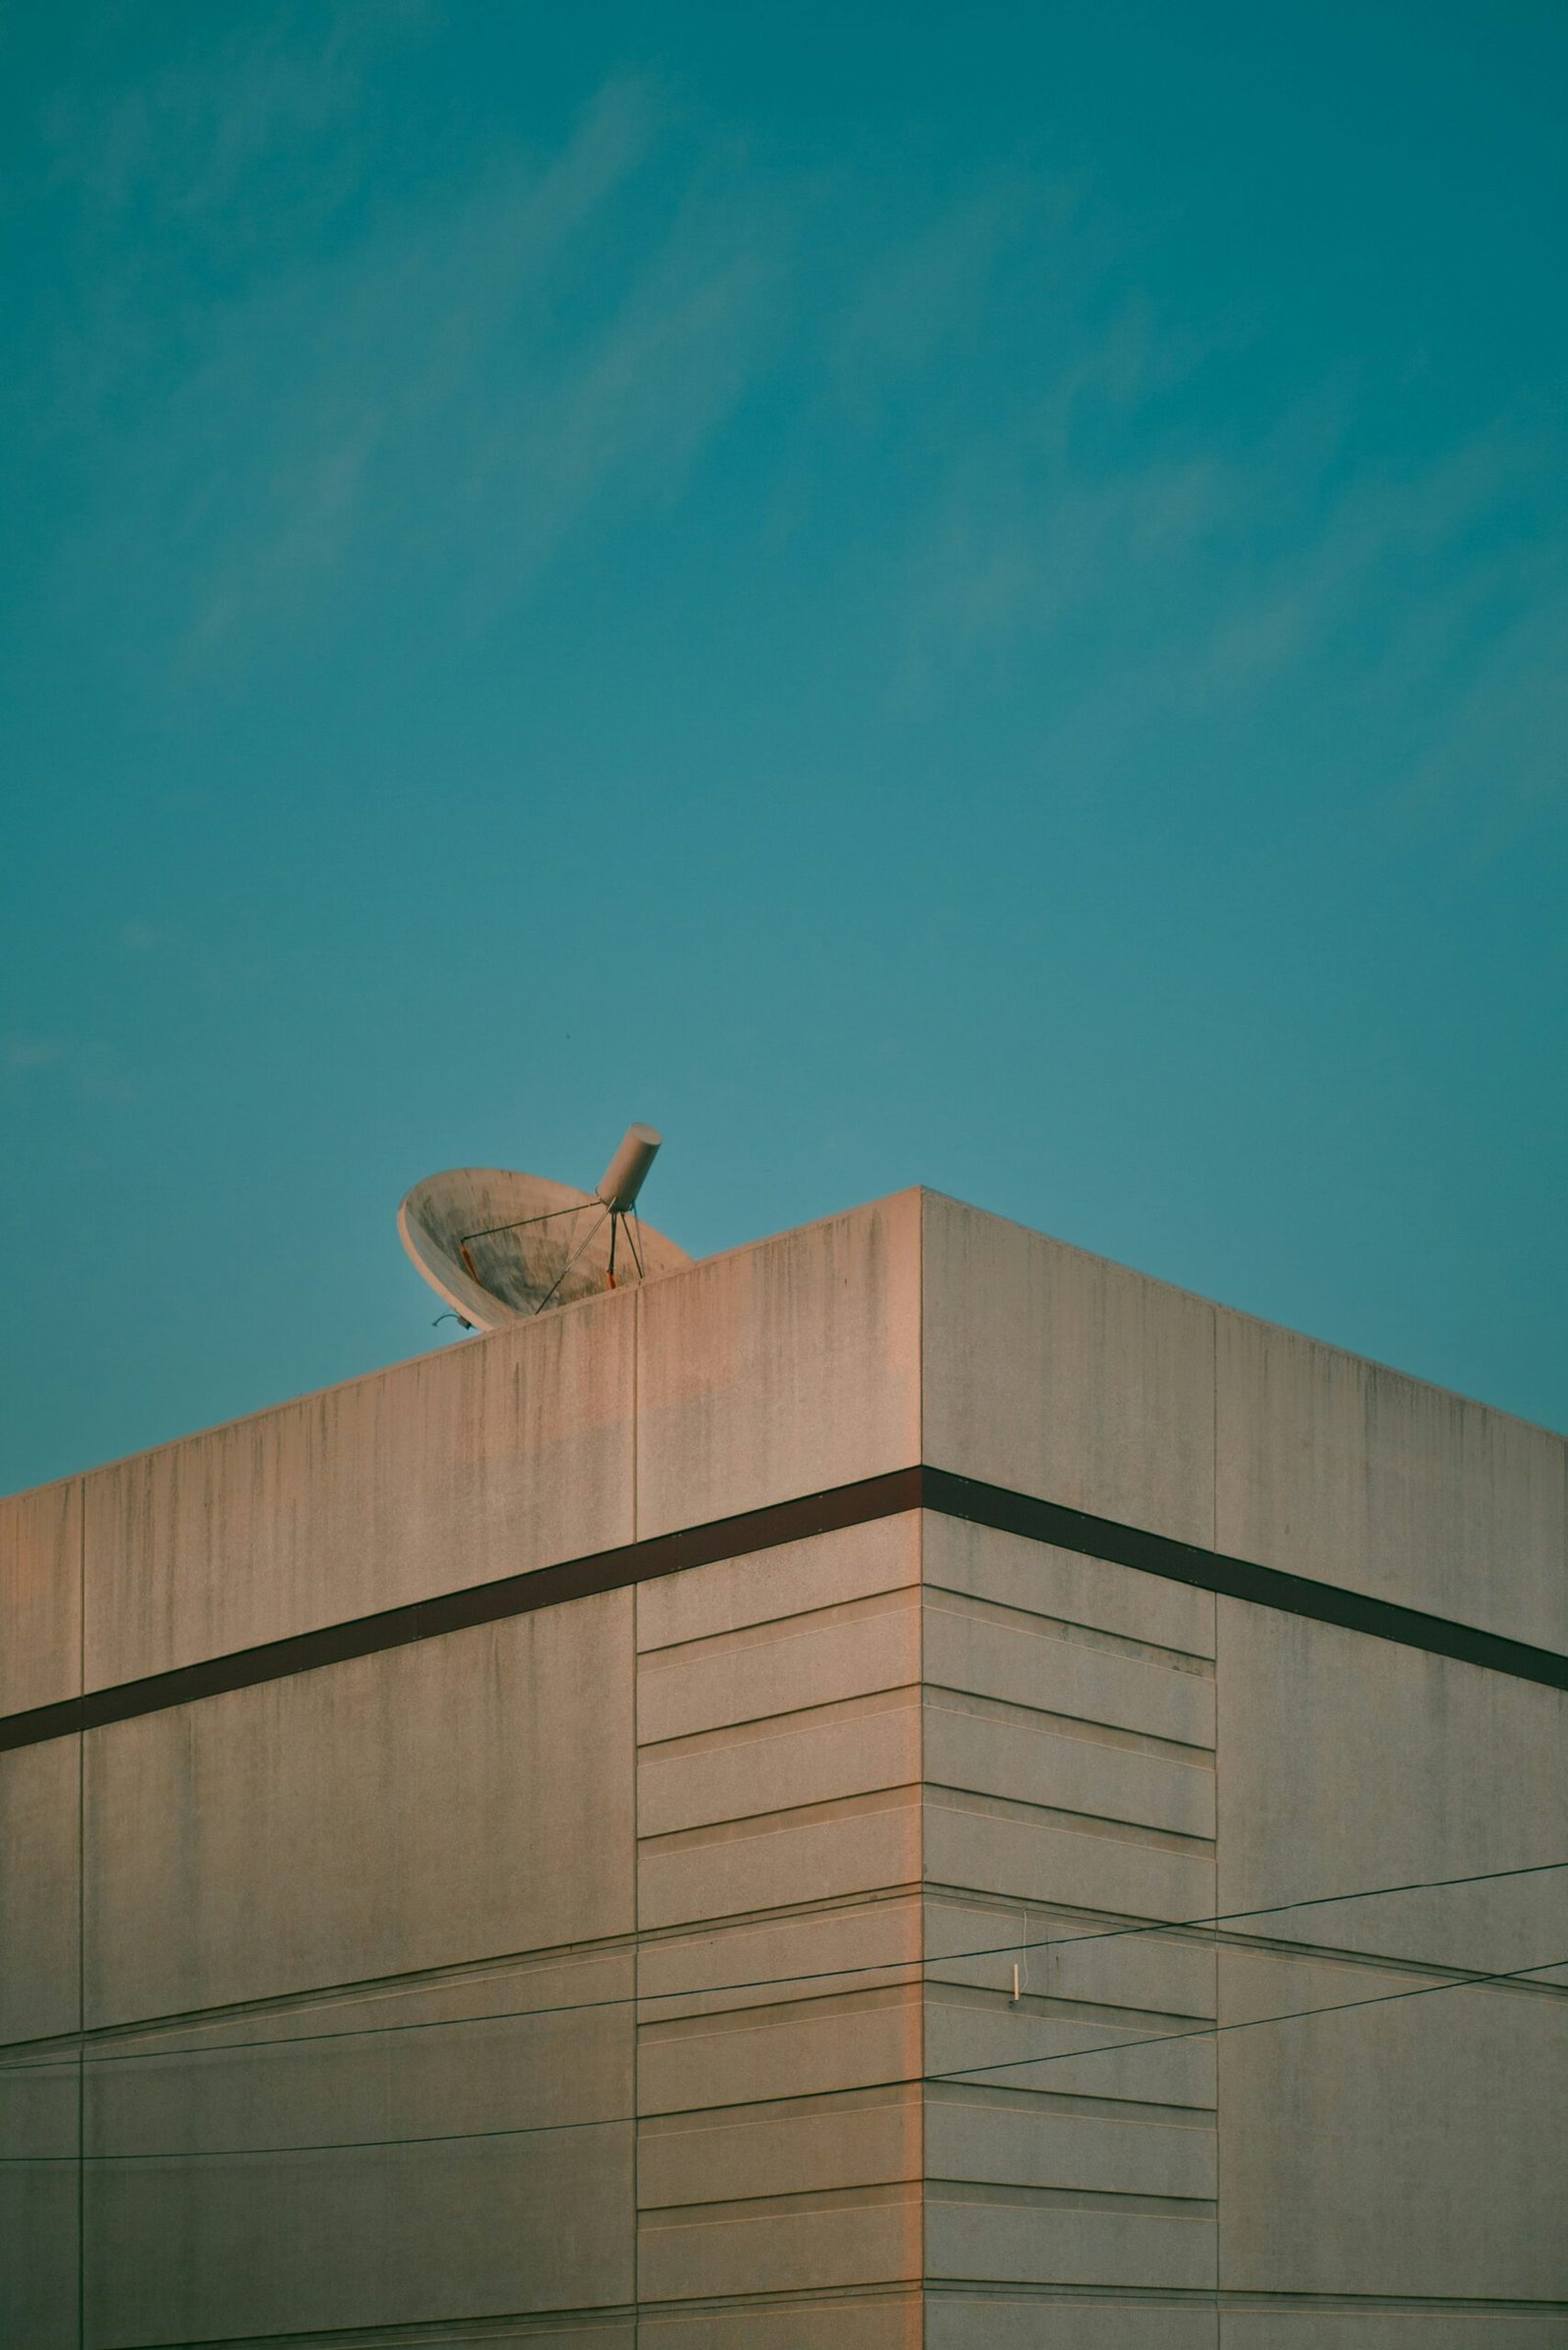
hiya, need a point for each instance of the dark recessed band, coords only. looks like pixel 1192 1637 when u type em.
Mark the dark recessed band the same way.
pixel 859 1505
pixel 1236 1578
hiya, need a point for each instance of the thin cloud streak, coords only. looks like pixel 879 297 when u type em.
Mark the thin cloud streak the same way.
pixel 472 383
pixel 475 384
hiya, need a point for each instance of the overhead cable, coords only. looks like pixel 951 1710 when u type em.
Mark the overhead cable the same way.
pixel 1457 1983
pixel 756 1983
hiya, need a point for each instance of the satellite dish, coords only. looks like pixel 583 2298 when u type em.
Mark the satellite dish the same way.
pixel 499 1247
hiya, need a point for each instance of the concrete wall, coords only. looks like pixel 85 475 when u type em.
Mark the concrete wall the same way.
pixel 778 2141
pixel 555 1980
pixel 1113 1749
pixel 353 1956
pixel 41 1811
pixel 1069 1760
pixel 1059 1374
pixel 294 1896
pixel 1416 2148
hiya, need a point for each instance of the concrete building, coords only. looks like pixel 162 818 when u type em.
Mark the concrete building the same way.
pixel 534 1848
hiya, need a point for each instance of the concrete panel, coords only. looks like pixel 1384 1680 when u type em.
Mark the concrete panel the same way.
pixel 782 2243
pixel 1056 1373
pixel 589 2329
pixel 973 1645
pixel 1041 1580
pixel 39 1916
pixel 38 2263
pixel 433 1805
pixel 1369 2327
pixel 40 1596
pixel 39 2108
pixel 1022 2235
pixel 975 2039
pixel 1349 1763
pixel 991 2321
pixel 774 1668
pixel 800 2048
pixel 782 1369
pixel 1063 1955
pixel 506 1453
pixel 869 2321
pixel 745 1770
pixel 1022 1759
pixel 1336 1468
pixel 1410 2148
pixel 203 2250
pixel 570 2333
pixel 862 1945
pixel 803 2145
pixel 1035 1859
pixel 793 1579
pixel 1008 2137
pixel 527 2048
pixel 819 1854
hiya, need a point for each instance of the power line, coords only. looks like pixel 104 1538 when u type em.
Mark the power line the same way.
pixel 440 2137
pixel 1456 1982
pixel 1336 2007
pixel 306 2039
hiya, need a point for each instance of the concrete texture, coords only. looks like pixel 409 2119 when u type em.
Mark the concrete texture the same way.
pixel 1369 2325
pixel 1400 2149
pixel 780 1369
pixel 454 1800
pixel 40 1938
pixel 39 2110
pixel 388 2235
pixel 639 1973
pixel 778 1723
pixel 1423 1768
pixel 956 2320
pixel 485 1459
pixel 868 2320
pixel 1370 2152
pixel 1059 1374
pixel 40 1596
pixel 535 2041
pixel 1337 1468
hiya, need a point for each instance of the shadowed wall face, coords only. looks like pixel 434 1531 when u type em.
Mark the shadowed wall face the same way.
pixel 638 1968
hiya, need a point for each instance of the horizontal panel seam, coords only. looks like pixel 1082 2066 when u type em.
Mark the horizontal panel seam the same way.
pixel 896 1795
pixel 1071 1820
pixel 836 1509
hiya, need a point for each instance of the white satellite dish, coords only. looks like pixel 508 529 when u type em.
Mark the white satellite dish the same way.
pixel 499 1247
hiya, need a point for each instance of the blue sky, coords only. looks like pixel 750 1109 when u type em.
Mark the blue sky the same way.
pixel 973 597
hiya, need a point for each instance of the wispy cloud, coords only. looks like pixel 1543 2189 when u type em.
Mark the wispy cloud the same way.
pixel 539 344
pixel 915 295
pixel 21 1054
pixel 187 141
pixel 88 1072
pixel 1205 574
pixel 1329 575
pixel 475 374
